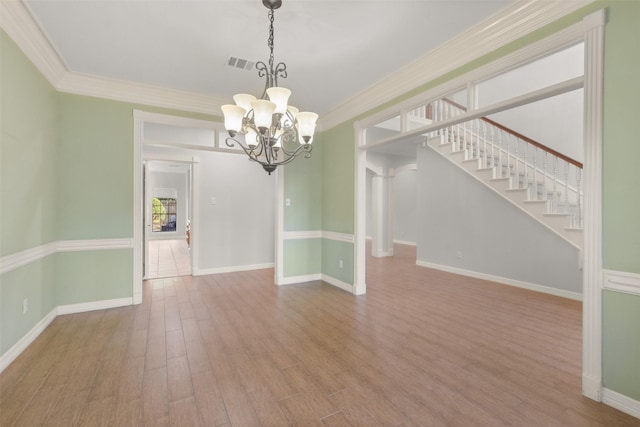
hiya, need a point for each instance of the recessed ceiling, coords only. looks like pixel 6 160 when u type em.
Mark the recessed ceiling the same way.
pixel 333 49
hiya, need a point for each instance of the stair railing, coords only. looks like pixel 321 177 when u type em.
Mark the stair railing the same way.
pixel 547 176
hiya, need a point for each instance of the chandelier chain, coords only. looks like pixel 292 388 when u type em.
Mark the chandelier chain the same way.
pixel 270 40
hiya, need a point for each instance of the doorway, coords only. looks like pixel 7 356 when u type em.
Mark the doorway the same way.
pixel 168 211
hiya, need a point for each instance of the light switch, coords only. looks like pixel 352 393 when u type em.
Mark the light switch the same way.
pixel 213 201
pixel 287 202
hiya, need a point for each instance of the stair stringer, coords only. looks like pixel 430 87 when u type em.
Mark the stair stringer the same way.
pixel 557 223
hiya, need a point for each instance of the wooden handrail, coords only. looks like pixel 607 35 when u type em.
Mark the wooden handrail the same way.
pixel 521 136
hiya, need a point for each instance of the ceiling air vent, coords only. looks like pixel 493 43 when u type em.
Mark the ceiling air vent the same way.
pixel 242 64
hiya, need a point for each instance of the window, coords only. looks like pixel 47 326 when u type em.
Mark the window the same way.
pixel 164 214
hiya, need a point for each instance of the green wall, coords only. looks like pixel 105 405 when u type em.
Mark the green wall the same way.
pixel 28 125
pixel 66 174
pixel 621 197
pixel 28 137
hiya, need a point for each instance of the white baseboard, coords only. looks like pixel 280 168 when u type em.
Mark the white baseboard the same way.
pixel 592 388
pixel 503 280
pixel 404 242
pixel 312 278
pixel 232 269
pixel 621 402
pixel 15 351
pixel 23 343
pixel 292 280
pixel 93 305
pixel 338 283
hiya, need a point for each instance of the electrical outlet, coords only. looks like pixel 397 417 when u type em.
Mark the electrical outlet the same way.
pixel 340 264
pixel 25 305
pixel 459 254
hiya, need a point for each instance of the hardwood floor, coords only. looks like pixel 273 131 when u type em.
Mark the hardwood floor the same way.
pixel 422 348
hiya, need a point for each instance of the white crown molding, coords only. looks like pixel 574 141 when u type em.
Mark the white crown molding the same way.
pixel 18 23
pixel 138 93
pixel 508 25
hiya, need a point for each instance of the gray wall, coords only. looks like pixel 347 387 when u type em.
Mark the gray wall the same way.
pixel 458 213
pixel 239 229
pixel 405 226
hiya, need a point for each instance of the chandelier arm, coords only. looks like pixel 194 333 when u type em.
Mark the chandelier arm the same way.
pixel 306 147
pixel 248 151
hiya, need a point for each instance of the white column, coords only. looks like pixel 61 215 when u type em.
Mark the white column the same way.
pixel 377 203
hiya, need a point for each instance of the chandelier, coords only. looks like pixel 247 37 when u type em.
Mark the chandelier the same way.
pixel 274 132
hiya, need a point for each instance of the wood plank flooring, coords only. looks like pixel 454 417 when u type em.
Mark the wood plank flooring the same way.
pixel 422 348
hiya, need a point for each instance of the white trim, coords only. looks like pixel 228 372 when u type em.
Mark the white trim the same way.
pixel 294 280
pixel 280 235
pixel 93 305
pixel 503 280
pixel 337 283
pixel 19 24
pixel 19 259
pixel 297 235
pixel 24 342
pixel 339 237
pixel 360 214
pixel 232 269
pixel 93 245
pixel 318 234
pixel 138 207
pixel 593 30
pixel 513 22
pixel 404 242
pixel 562 39
pixel 22 258
pixel 167 119
pixel 508 25
pixel 138 93
pixel 622 281
pixel 621 402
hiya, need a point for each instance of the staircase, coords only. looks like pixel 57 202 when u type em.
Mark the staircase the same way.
pixel 543 183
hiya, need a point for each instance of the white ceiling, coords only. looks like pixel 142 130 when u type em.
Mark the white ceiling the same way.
pixel 333 49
